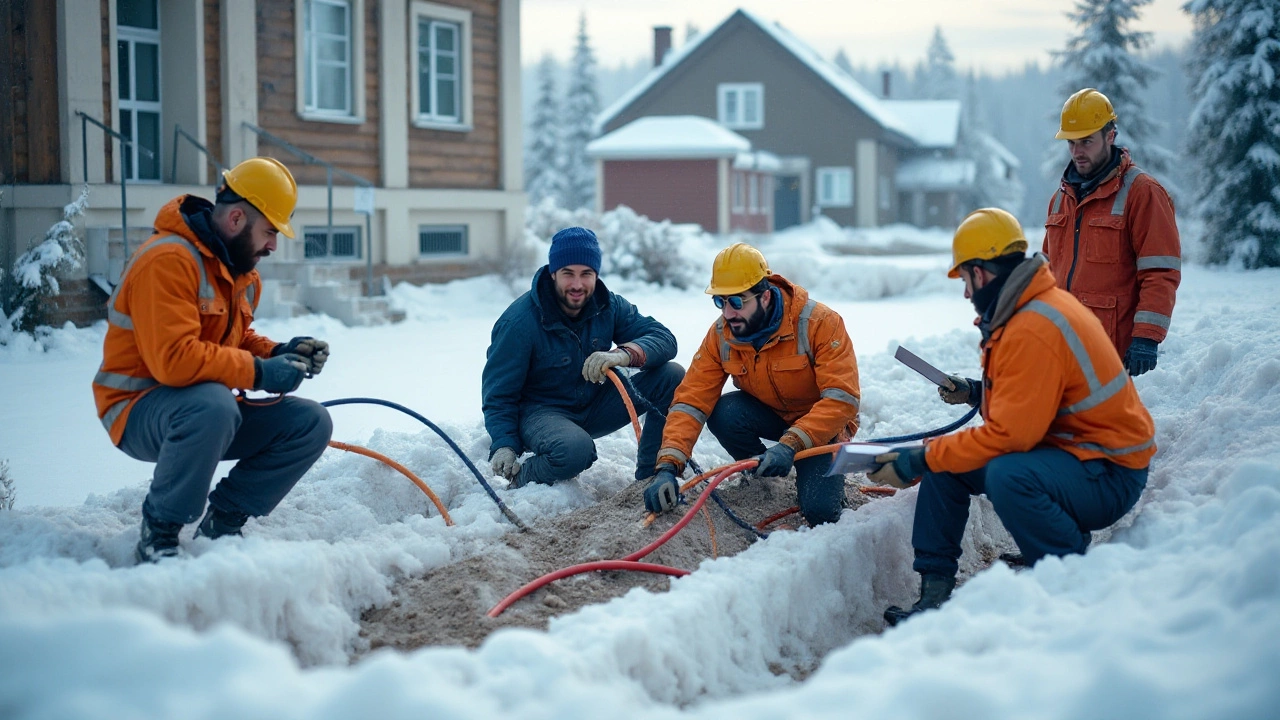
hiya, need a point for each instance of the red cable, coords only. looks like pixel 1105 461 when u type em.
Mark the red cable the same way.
pixel 688 516
pixel 578 569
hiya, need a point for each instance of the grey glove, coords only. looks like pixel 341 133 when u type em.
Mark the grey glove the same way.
pixel 776 461
pixel 965 391
pixel 506 463
pixel 315 351
pixel 598 363
pixel 280 374
pixel 901 466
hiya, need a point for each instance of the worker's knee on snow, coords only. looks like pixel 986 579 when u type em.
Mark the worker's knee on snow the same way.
pixel 1006 480
pixel 666 378
pixel 567 456
pixel 731 419
pixel 817 514
pixel 315 423
pixel 213 407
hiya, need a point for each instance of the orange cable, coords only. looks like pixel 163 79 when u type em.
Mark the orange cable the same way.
pixel 403 470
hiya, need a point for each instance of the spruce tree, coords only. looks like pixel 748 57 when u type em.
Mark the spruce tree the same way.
pixel 1234 134
pixel 544 162
pixel 582 104
pixel 1104 56
pixel 936 77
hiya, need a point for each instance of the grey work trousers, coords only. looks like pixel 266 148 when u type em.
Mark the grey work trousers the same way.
pixel 187 431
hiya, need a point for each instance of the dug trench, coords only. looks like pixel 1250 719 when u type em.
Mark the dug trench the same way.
pixel 448 606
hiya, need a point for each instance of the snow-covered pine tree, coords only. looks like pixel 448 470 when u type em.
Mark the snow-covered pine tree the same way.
pixel 841 61
pixel 1234 134
pixel 544 162
pixel 996 182
pixel 34 277
pixel 936 77
pixel 1104 56
pixel 581 106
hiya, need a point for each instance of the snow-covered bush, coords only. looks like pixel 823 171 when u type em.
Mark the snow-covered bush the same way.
pixel 7 490
pixel 634 247
pixel 35 273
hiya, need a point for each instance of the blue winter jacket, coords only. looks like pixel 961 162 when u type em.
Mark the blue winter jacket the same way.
pixel 535 360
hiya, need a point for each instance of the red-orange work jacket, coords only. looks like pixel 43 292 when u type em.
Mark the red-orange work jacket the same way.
pixel 807 373
pixel 1050 378
pixel 176 318
pixel 1118 252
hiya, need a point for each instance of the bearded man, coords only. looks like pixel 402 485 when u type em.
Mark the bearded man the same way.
pixel 543 387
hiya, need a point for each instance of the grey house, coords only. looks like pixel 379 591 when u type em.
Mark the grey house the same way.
pixel 839 145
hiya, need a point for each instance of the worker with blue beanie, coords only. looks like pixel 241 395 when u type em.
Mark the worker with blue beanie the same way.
pixel 543 387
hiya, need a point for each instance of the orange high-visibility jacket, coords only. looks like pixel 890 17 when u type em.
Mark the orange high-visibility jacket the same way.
pixel 1118 252
pixel 807 373
pixel 177 318
pixel 1050 377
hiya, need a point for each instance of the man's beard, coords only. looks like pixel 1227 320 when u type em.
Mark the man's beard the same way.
pixel 570 307
pixel 753 323
pixel 240 250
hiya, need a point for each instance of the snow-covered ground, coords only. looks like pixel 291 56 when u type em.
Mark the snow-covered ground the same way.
pixel 1177 616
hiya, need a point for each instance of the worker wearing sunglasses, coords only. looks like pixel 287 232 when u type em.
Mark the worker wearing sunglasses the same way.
pixel 796 380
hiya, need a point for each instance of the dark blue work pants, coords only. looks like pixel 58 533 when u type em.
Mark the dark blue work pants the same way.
pixel 563 441
pixel 739 421
pixel 187 431
pixel 1047 499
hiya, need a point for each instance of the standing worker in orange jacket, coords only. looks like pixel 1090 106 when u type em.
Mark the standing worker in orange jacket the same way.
pixel 797 378
pixel 1066 441
pixel 1110 234
pixel 178 342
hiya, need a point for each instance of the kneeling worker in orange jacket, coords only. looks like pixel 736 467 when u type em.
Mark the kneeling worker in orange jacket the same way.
pixel 797 378
pixel 178 342
pixel 1066 441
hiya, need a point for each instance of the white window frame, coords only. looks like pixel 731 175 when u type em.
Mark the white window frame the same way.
pixel 840 192
pixel 738 93
pixel 432 13
pixel 886 193
pixel 753 194
pixel 133 36
pixel 355 113
pixel 738 192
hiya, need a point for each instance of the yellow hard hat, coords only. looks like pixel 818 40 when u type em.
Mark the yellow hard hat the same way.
pixel 1084 114
pixel 736 269
pixel 985 234
pixel 268 186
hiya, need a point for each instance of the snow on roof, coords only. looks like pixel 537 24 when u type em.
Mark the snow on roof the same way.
pixel 936 174
pixel 759 160
pixel 998 148
pixel 862 98
pixel 931 123
pixel 669 136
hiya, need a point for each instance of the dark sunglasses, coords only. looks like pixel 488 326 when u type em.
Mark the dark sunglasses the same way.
pixel 733 301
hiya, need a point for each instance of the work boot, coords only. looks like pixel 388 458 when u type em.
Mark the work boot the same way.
pixel 1015 561
pixel 934 590
pixel 158 540
pixel 220 523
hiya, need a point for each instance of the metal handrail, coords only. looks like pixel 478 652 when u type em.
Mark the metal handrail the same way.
pixel 124 143
pixel 330 169
pixel 208 156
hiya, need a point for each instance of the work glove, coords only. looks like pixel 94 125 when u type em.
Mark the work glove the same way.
pixel 315 351
pixel 663 492
pixel 280 374
pixel 598 363
pixel 900 467
pixel 964 391
pixel 506 463
pixel 776 461
pixel 1141 356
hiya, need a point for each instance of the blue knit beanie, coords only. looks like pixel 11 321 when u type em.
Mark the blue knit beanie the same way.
pixel 574 246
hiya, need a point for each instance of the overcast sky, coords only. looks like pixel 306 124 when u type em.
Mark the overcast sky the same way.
pixel 994 35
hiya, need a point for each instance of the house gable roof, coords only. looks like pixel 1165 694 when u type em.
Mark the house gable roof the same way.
pixel 669 137
pixel 833 76
pixel 933 124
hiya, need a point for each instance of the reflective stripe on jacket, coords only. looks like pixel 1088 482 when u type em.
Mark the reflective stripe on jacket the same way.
pixel 807 373
pixel 176 318
pixel 1050 377
pixel 1118 252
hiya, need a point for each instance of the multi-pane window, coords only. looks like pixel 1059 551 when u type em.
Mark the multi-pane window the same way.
pixel 342 244
pixel 442 240
pixel 753 194
pixel 327 55
pixel 835 186
pixel 439 71
pixel 741 105
pixel 739 203
pixel 138 85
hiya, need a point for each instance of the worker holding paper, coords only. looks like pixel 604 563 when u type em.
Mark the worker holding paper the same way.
pixel 1066 441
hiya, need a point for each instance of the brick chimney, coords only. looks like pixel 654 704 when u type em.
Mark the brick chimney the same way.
pixel 884 82
pixel 661 43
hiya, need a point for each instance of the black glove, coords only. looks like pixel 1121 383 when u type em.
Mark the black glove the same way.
pixel 664 492
pixel 315 352
pixel 902 465
pixel 1141 356
pixel 776 461
pixel 967 391
pixel 280 374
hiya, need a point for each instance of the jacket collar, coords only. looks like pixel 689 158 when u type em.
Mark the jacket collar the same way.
pixel 1025 282
pixel 1104 186
pixel 794 299
pixel 172 220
